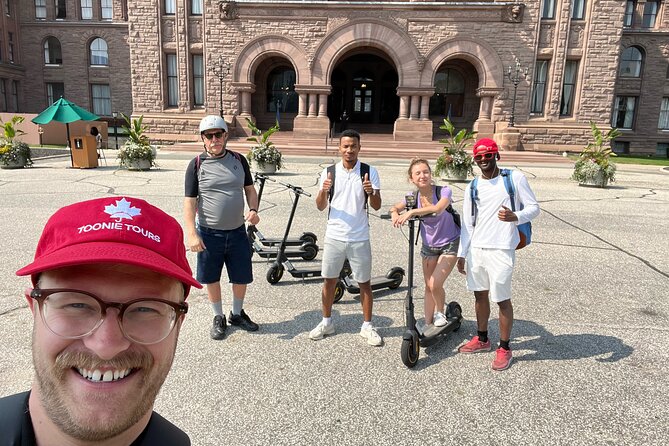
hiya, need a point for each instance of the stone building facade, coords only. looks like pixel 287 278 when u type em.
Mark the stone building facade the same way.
pixel 383 67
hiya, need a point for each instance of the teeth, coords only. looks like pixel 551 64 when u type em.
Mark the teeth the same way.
pixel 107 376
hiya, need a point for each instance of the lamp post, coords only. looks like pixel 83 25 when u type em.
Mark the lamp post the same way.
pixel 515 74
pixel 222 69
pixel 115 115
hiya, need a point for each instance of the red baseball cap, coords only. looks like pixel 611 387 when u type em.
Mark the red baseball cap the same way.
pixel 485 145
pixel 113 230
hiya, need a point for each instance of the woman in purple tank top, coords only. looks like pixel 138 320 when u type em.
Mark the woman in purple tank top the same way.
pixel 440 235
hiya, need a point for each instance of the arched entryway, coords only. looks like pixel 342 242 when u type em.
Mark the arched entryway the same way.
pixel 455 84
pixel 364 92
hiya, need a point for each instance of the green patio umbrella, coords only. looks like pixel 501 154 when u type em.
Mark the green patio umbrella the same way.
pixel 65 111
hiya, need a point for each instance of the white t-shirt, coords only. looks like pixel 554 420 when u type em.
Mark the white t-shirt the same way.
pixel 348 220
pixel 490 231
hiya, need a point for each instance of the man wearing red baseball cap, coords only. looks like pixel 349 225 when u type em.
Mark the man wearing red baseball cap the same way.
pixel 488 240
pixel 109 283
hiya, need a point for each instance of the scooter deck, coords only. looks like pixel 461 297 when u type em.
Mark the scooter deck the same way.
pixel 378 282
pixel 271 252
pixel 272 242
pixel 432 333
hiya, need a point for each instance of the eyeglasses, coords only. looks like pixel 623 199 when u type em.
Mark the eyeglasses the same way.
pixel 210 136
pixel 75 314
pixel 487 156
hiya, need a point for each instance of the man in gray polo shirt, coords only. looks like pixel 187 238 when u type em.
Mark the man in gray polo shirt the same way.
pixel 217 181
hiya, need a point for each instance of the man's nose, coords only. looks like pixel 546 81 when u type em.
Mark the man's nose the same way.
pixel 108 339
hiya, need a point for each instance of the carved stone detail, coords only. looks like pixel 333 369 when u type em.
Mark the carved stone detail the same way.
pixel 513 13
pixel 546 35
pixel 168 30
pixel 228 9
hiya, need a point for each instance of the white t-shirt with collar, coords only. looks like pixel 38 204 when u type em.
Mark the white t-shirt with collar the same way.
pixel 348 221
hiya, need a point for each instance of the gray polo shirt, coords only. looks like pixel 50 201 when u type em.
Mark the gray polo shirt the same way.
pixel 219 189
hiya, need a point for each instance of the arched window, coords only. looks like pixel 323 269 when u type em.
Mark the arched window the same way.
pixel 52 53
pixel 98 53
pixel 281 94
pixel 449 95
pixel 630 62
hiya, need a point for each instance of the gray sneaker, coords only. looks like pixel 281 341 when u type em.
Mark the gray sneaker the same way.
pixel 373 338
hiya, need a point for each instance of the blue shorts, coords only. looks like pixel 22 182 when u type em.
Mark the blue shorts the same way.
pixel 230 248
pixel 449 249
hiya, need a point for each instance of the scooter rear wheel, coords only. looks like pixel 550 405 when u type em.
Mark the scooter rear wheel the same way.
pixel 308 237
pixel 396 275
pixel 339 291
pixel 274 274
pixel 410 353
pixel 310 251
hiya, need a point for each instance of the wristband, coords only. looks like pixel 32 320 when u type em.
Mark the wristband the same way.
pixel 253 210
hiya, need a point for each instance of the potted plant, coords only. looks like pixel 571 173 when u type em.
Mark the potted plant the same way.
pixel 136 153
pixel 14 154
pixel 594 166
pixel 264 154
pixel 454 162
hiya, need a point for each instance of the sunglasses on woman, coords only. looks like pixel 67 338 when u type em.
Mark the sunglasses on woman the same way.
pixel 486 156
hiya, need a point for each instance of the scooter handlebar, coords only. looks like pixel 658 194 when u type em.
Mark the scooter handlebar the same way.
pixel 260 176
pixel 296 189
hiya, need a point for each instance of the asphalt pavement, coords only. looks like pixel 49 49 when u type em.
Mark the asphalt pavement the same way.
pixel 590 300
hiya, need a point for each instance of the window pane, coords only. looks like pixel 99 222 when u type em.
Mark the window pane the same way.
pixel 54 91
pixel 578 9
pixel 628 20
pixel 281 90
pixel 448 100
pixel 172 81
pixel 548 10
pixel 568 88
pixel 15 96
pixel 40 9
pixel 198 80
pixel 663 123
pixel 61 11
pixel 630 62
pixel 99 52
pixel 649 14
pixel 86 9
pixel 170 6
pixel 101 99
pixel 52 52
pixel 196 7
pixel 539 90
pixel 107 9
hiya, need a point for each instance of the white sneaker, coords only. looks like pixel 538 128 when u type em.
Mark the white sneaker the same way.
pixel 439 319
pixel 321 331
pixel 373 338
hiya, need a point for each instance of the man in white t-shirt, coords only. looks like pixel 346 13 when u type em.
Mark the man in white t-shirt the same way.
pixel 347 233
pixel 487 249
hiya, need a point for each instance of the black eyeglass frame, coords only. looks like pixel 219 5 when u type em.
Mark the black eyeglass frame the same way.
pixel 210 136
pixel 41 294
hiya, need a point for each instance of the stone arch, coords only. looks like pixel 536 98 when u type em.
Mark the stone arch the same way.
pixel 482 56
pixel 368 32
pixel 263 47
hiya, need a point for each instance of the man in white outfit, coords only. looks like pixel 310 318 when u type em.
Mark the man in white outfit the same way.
pixel 487 246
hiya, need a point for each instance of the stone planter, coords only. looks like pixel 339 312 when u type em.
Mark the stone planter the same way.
pixel 19 163
pixel 265 168
pixel 599 180
pixel 139 165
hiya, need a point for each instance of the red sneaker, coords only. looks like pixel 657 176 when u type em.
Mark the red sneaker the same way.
pixel 475 346
pixel 502 359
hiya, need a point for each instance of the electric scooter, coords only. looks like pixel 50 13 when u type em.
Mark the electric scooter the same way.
pixel 412 338
pixel 281 264
pixel 255 234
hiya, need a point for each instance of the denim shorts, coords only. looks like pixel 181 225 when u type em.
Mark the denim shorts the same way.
pixel 230 248
pixel 449 249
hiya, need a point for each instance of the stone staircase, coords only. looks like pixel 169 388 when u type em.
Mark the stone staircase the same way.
pixel 374 145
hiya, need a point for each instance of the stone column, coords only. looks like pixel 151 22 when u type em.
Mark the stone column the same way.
pixel 424 108
pixel 246 103
pixel 322 105
pixel 404 107
pixel 313 98
pixel 302 110
pixel 415 104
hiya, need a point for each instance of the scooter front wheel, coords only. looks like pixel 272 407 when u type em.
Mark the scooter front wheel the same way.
pixel 274 273
pixel 339 291
pixel 410 352
pixel 310 251
pixel 308 237
pixel 396 275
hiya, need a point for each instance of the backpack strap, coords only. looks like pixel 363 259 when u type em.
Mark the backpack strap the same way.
pixel 474 195
pixel 364 170
pixel 508 183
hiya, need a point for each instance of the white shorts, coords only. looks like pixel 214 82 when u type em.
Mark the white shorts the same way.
pixel 359 255
pixel 491 269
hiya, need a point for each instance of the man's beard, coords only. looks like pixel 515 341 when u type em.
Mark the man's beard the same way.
pixel 52 384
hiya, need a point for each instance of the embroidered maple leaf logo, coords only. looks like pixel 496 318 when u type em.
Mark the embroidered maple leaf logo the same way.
pixel 122 210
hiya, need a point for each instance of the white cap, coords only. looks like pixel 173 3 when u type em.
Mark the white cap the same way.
pixel 213 122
